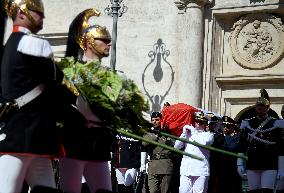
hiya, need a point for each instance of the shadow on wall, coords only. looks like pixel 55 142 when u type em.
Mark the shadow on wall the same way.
pixel 158 57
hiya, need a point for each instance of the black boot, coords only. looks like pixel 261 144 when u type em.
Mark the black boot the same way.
pixel 44 189
pixel 129 189
pixel 266 190
pixel 104 191
pixel 85 188
pixel 25 188
pixel 255 191
pixel 121 188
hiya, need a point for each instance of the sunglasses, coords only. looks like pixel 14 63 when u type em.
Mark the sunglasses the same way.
pixel 103 40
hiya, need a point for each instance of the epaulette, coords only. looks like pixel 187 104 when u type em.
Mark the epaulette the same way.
pixel 245 123
pixel 279 123
pixel 34 45
pixel 249 119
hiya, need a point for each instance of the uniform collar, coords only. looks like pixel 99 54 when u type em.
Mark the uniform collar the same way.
pixel 17 28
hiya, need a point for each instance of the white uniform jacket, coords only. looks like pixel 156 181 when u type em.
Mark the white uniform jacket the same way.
pixel 190 166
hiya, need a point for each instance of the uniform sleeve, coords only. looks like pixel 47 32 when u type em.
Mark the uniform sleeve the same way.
pixel 204 138
pixel 149 136
pixel 179 144
pixel 243 143
pixel 244 124
pixel 281 143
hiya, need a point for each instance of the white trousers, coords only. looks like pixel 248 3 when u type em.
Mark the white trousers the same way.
pixel 14 169
pixel 193 184
pixel 126 176
pixel 97 175
pixel 258 179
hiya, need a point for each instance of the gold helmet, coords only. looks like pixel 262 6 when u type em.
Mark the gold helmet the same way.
pixel 264 98
pixel 91 32
pixel 11 7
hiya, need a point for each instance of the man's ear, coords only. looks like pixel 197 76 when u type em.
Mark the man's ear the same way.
pixel 21 14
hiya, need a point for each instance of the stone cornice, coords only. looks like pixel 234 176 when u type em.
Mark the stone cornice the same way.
pixel 182 5
pixel 56 39
pixel 265 79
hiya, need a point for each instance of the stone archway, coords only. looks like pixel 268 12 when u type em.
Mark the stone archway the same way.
pixel 249 112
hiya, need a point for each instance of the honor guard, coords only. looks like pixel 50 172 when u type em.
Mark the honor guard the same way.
pixel 30 84
pixel 86 141
pixel 260 140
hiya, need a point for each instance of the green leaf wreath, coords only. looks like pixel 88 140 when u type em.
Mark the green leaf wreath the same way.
pixel 113 98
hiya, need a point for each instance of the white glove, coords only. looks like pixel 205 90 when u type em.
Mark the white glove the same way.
pixel 280 175
pixel 241 170
pixel 241 165
pixel 188 130
pixel 143 161
pixel 280 172
pixel 143 168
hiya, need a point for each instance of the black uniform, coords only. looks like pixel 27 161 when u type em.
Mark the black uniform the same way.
pixel 31 129
pixel 83 143
pixel 128 153
pixel 224 177
pixel 260 140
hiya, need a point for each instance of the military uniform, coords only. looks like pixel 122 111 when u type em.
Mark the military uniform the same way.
pixel 87 142
pixel 194 173
pixel 161 165
pixel 127 162
pixel 260 140
pixel 32 83
pixel 128 153
pixel 223 174
pixel 280 183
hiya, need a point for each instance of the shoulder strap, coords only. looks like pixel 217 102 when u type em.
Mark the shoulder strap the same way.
pixel 35 46
pixel 264 122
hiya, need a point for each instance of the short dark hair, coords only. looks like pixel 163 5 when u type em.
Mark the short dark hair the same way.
pixel 156 114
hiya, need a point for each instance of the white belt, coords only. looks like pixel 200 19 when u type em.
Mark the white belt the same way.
pixel 29 96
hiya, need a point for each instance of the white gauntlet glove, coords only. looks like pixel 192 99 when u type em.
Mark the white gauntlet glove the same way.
pixel 143 162
pixel 241 165
pixel 280 172
pixel 188 130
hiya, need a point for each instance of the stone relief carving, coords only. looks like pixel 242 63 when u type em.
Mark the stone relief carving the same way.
pixel 257 41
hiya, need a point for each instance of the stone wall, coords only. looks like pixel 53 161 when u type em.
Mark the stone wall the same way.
pixel 244 53
pixel 159 49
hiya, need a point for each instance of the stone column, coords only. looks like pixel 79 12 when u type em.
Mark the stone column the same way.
pixel 190 51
